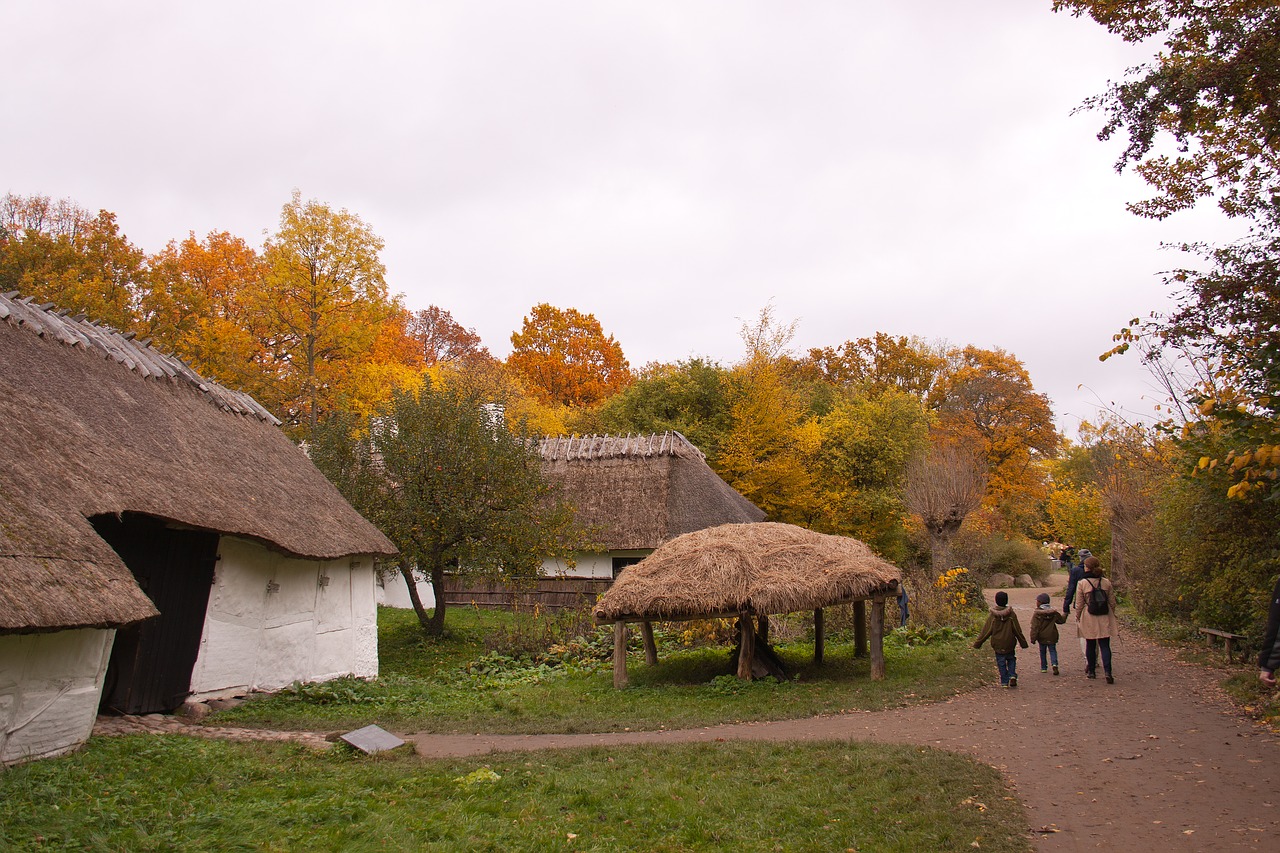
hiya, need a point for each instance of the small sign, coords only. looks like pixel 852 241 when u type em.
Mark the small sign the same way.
pixel 371 739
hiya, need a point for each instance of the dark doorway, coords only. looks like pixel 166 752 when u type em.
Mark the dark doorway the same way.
pixel 151 663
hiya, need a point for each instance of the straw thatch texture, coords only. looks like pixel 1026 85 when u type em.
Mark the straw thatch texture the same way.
pixel 757 568
pixel 640 491
pixel 93 423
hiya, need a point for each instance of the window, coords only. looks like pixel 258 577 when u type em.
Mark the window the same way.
pixel 620 563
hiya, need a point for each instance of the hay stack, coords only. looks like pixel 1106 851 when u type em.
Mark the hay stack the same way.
pixel 758 568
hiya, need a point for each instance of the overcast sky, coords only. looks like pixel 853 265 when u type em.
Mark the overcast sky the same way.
pixel 669 167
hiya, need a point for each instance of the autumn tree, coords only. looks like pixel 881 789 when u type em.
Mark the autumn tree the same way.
pixel 326 297
pixel 985 399
pixel 943 486
pixel 57 252
pixel 454 491
pixel 566 358
pixel 203 303
pixel 880 363
pixel 441 339
pixel 688 397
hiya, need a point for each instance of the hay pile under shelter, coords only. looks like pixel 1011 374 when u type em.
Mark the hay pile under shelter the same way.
pixel 749 571
pixel 160 537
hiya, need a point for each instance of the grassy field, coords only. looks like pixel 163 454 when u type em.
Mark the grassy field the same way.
pixel 151 793
pixel 453 685
pixel 143 793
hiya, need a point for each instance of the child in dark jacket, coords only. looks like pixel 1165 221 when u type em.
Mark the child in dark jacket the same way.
pixel 1005 632
pixel 1044 630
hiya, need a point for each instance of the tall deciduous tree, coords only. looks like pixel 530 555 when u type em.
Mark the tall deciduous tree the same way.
pixel 943 487
pixel 58 252
pixel 566 358
pixel 443 340
pixel 326 294
pixel 452 489
pixel 880 363
pixel 203 303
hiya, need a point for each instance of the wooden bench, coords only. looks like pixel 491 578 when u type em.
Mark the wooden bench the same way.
pixel 1229 639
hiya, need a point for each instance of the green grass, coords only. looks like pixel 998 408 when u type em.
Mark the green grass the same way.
pixel 448 685
pixel 144 793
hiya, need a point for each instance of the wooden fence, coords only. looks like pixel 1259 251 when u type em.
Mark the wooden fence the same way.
pixel 546 593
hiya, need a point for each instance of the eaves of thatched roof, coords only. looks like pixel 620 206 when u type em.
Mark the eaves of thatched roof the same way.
pixel 746 568
pixel 640 491
pixel 92 423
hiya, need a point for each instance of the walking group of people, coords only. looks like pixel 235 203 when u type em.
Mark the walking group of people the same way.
pixel 1091 598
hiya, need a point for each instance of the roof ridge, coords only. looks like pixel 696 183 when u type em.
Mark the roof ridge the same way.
pixel 573 448
pixel 46 321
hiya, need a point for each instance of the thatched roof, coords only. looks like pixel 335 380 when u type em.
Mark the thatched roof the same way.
pixel 94 423
pixel 640 491
pixel 757 568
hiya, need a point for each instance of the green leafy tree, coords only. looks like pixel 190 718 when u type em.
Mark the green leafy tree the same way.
pixel 688 397
pixel 451 488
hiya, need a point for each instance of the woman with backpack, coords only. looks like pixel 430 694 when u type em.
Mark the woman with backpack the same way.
pixel 1095 609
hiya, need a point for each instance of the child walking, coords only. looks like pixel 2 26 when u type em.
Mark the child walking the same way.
pixel 1005 632
pixel 1044 630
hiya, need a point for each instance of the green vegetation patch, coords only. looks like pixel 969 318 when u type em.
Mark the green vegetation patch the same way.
pixel 455 683
pixel 143 793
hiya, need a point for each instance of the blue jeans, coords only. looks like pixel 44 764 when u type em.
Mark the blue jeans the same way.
pixel 1091 654
pixel 1052 651
pixel 1008 666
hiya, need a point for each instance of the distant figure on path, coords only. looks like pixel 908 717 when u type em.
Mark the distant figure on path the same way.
pixel 1095 608
pixel 1005 633
pixel 1074 574
pixel 1269 657
pixel 902 604
pixel 1044 630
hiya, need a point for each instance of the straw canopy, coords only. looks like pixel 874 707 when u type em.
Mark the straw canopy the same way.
pixel 758 568
pixel 94 423
pixel 640 491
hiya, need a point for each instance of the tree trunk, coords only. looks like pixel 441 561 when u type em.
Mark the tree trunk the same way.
pixel 436 627
pixel 406 572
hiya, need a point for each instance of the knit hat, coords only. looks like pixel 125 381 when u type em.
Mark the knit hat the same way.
pixel 1042 598
pixel 1002 598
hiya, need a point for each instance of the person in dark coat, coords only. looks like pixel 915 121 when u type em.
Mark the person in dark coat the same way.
pixel 1044 630
pixel 1005 632
pixel 1269 657
pixel 1073 580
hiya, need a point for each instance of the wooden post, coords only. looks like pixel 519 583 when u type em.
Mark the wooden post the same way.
pixel 650 647
pixel 764 627
pixel 747 646
pixel 877 638
pixel 860 629
pixel 819 636
pixel 619 654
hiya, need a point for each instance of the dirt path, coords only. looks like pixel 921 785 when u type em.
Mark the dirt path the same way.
pixel 1154 762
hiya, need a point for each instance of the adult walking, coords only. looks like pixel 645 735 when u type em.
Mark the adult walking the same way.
pixel 1269 657
pixel 1095 609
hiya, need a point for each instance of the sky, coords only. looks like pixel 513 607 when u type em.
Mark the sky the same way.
pixel 669 167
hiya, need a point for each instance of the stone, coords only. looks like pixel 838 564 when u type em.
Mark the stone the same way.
pixel 999 581
pixel 372 739
pixel 194 710
pixel 1024 581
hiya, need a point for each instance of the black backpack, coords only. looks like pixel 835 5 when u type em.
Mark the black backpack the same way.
pixel 1096 602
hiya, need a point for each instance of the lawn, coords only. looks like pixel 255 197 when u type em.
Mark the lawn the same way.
pixel 150 793
pixel 453 684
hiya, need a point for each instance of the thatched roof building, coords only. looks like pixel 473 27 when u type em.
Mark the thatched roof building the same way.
pixel 640 491
pixel 746 568
pixel 94 423
pixel 130 487
pixel 749 571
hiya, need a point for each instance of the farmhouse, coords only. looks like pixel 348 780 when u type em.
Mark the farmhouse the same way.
pixel 632 493
pixel 160 538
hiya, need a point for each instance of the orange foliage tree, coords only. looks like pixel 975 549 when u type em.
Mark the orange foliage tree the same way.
pixel 566 358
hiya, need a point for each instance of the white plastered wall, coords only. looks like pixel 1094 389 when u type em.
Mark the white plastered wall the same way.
pixel 50 686
pixel 273 620
pixel 393 592
pixel 588 565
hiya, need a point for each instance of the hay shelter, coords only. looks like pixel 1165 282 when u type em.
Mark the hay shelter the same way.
pixel 160 538
pixel 750 571
pixel 633 493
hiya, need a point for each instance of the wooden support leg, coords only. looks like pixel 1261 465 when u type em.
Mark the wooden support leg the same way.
pixel 859 629
pixel 747 646
pixel 619 654
pixel 877 638
pixel 650 647
pixel 819 636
